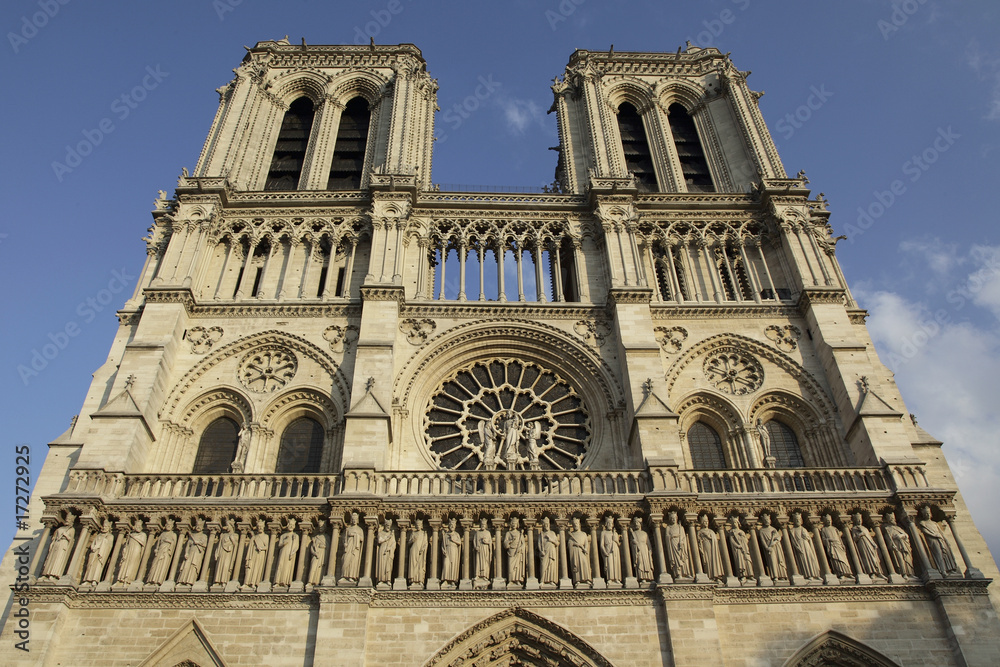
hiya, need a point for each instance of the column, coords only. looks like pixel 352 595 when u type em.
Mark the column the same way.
pixel 298 582
pixel 234 579
pixel 754 282
pixel 727 563
pixel 675 287
pixel 397 272
pixel 482 258
pixel 630 580
pixel 713 271
pixel 444 262
pixel 399 584
pixel 499 583
pixel 265 583
pixel 737 291
pixel 929 571
pixel 794 578
pixel 556 261
pixel 433 581
pixel 266 270
pixel 971 572
pixel 463 250
pixel 767 272
pixel 366 569
pixel 140 576
pixel 422 245
pixel 345 289
pixel 105 583
pixel 539 282
pixel 531 584
pixel 894 577
pixel 34 570
pixel 564 579
pixel 595 559
pixel 860 576
pixel 230 251
pixel 76 562
pixel 661 560
pixel 241 285
pixel 520 275
pixel 755 556
pixel 202 583
pixel 502 251
pixel 699 572
pixel 829 578
pixel 466 583
pixel 695 287
pixel 168 584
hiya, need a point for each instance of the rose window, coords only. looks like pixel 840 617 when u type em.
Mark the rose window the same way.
pixel 265 371
pixel 734 372
pixel 506 414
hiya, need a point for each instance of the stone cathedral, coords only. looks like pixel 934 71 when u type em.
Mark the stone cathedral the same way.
pixel 351 417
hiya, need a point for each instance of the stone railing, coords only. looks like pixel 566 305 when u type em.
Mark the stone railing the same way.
pixel 804 480
pixel 117 485
pixel 496 483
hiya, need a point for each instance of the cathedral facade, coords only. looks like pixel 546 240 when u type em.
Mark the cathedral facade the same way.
pixel 350 418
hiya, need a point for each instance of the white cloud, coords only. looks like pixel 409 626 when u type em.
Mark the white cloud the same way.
pixel 947 369
pixel 520 114
pixel 987 67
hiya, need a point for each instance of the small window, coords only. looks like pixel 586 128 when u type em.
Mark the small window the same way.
pixel 301 447
pixel 706 448
pixel 290 151
pixel 349 151
pixel 784 446
pixel 693 165
pixel 636 148
pixel 217 447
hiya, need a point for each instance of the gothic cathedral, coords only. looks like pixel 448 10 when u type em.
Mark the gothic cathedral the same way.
pixel 634 418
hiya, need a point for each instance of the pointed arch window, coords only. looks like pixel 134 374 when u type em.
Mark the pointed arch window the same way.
pixel 705 446
pixel 301 447
pixel 349 151
pixel 694 167
pixel 784 446
pixel 217 447
pixel 290 150
pixel 636 148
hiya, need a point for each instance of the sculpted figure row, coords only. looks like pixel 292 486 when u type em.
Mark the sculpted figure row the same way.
pixel 263 554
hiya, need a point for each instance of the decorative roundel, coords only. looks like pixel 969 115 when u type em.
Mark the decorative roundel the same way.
pixel 734 372
pixel 509 414
pixel 267 370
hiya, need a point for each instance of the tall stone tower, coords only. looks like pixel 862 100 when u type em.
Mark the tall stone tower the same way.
pixel 634 419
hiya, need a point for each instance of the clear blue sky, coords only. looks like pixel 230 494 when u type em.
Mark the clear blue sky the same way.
pixel 885 86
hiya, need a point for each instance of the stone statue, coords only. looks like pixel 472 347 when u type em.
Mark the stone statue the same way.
pixel 240 460
pixel 163 554
pixel 354 540
pixel 131 557
pixel 513 542
pixel 642 555
pixel 678 550
pixel 533 434
pixel 488 439
pixel 194 552
pixel 937 545
pixel 898 543
pixel 225 552
pixel 97 554
pixel 451 551
pixel 417 550
pixel 482 544
pixel 317 553
pixel 386 553
pixel 548 554
pixel 256 557
pixel 774 557
pixel 867 549
pixel 578 542
pixel 739 545
pixel 59 548
pixel 288 549
pixel 708 547
pixel 610 547
pixel 833 545
pixel 802 546
pixel 765 439
pixel 511 434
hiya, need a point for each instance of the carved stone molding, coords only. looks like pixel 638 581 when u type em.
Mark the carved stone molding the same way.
pixel 340 338
pixel 734 371
pixel 268 369
pixel 202 339
pixel 785 338
pixel 417 331
pixel 671 339
pixel 595 332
